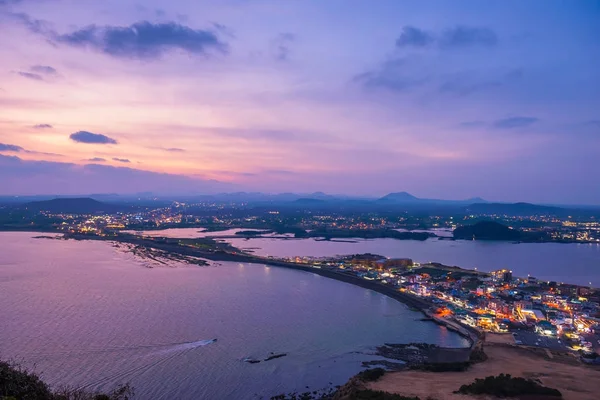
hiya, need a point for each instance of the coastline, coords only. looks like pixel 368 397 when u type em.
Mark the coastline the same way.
pixel 172 245
pixel 469 333
pixel 393 381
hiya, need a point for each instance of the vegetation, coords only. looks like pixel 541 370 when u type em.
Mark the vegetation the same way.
pixel 371 375
pixel 355 394
pixel 491 230
pixel 505 385
pixel 443 367
pixel 339 233
pixel 369 394
pixel 17 383
pixel 487 230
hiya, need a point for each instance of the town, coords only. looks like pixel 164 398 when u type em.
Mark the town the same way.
pixel 548 314
pixel 335 220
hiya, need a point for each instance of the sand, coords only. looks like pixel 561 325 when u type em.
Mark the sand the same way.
pixel 560 371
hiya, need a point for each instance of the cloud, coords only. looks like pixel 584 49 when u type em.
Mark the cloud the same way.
pixel 144 40
pixel 278 172
pixel 514 122
pixel 280 46
pixel 393 75
pixel 43 69
pixel 463 87
pixel 18 149
pixel 414 37
pixel 43 126
pixel 30 75
pixel 465 36
pixel 38 72
pixel 11 147
pixel 97 159
pixel 33 25
pixel 21 177
pixel 168 149
pixel 89 137
pixel 453 38
pixel 121 160
pixel 468 82
pixel 9 2
pixel 269 135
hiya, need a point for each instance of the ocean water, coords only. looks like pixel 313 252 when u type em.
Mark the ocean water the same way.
pixel 560 262
pixel 89 314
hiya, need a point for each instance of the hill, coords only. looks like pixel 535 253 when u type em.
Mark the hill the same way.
pixel 487 230
pixel 309 201
pixel 516 209
pixel 83 205
pixel 407 199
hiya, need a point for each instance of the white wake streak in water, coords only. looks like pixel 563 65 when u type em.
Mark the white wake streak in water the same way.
pixel 167 347
pixel 167 354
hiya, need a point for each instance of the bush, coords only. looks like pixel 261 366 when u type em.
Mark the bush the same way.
pixel 443 367
pixel 371 375
pixel 505 385
pixel 379 395
pixel 21 384
pixel 17 383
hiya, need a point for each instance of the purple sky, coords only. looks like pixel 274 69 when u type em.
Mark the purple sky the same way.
pixel 498 99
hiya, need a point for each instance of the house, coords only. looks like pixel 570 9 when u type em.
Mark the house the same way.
pixel 545 328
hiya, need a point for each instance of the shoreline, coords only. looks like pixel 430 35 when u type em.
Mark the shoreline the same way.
pixel 421 305
pixel 333 238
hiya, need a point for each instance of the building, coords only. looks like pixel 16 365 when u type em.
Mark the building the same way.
pixel 532 281
pixel 485 321
pixel 545 328
pixel 502 275
pixel 533 314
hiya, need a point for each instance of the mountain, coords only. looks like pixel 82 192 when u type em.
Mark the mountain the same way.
pixel 476 200
pixel 83 205
pixel 399 197
pixel 408 199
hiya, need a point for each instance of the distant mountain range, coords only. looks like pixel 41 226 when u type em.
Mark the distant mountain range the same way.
pixel 84 205
pixel 110 203
pixel 404 197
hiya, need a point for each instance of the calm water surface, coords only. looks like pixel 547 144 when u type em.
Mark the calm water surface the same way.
pixel 569 263
pixel 90 314
pixel 561 262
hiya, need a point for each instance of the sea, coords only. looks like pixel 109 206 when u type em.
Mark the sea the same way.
pixel 560 262
pixel 91 314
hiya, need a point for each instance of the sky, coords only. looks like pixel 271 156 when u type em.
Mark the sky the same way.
pixel 497 99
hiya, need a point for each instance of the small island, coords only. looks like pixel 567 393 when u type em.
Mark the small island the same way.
pixel 491 230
